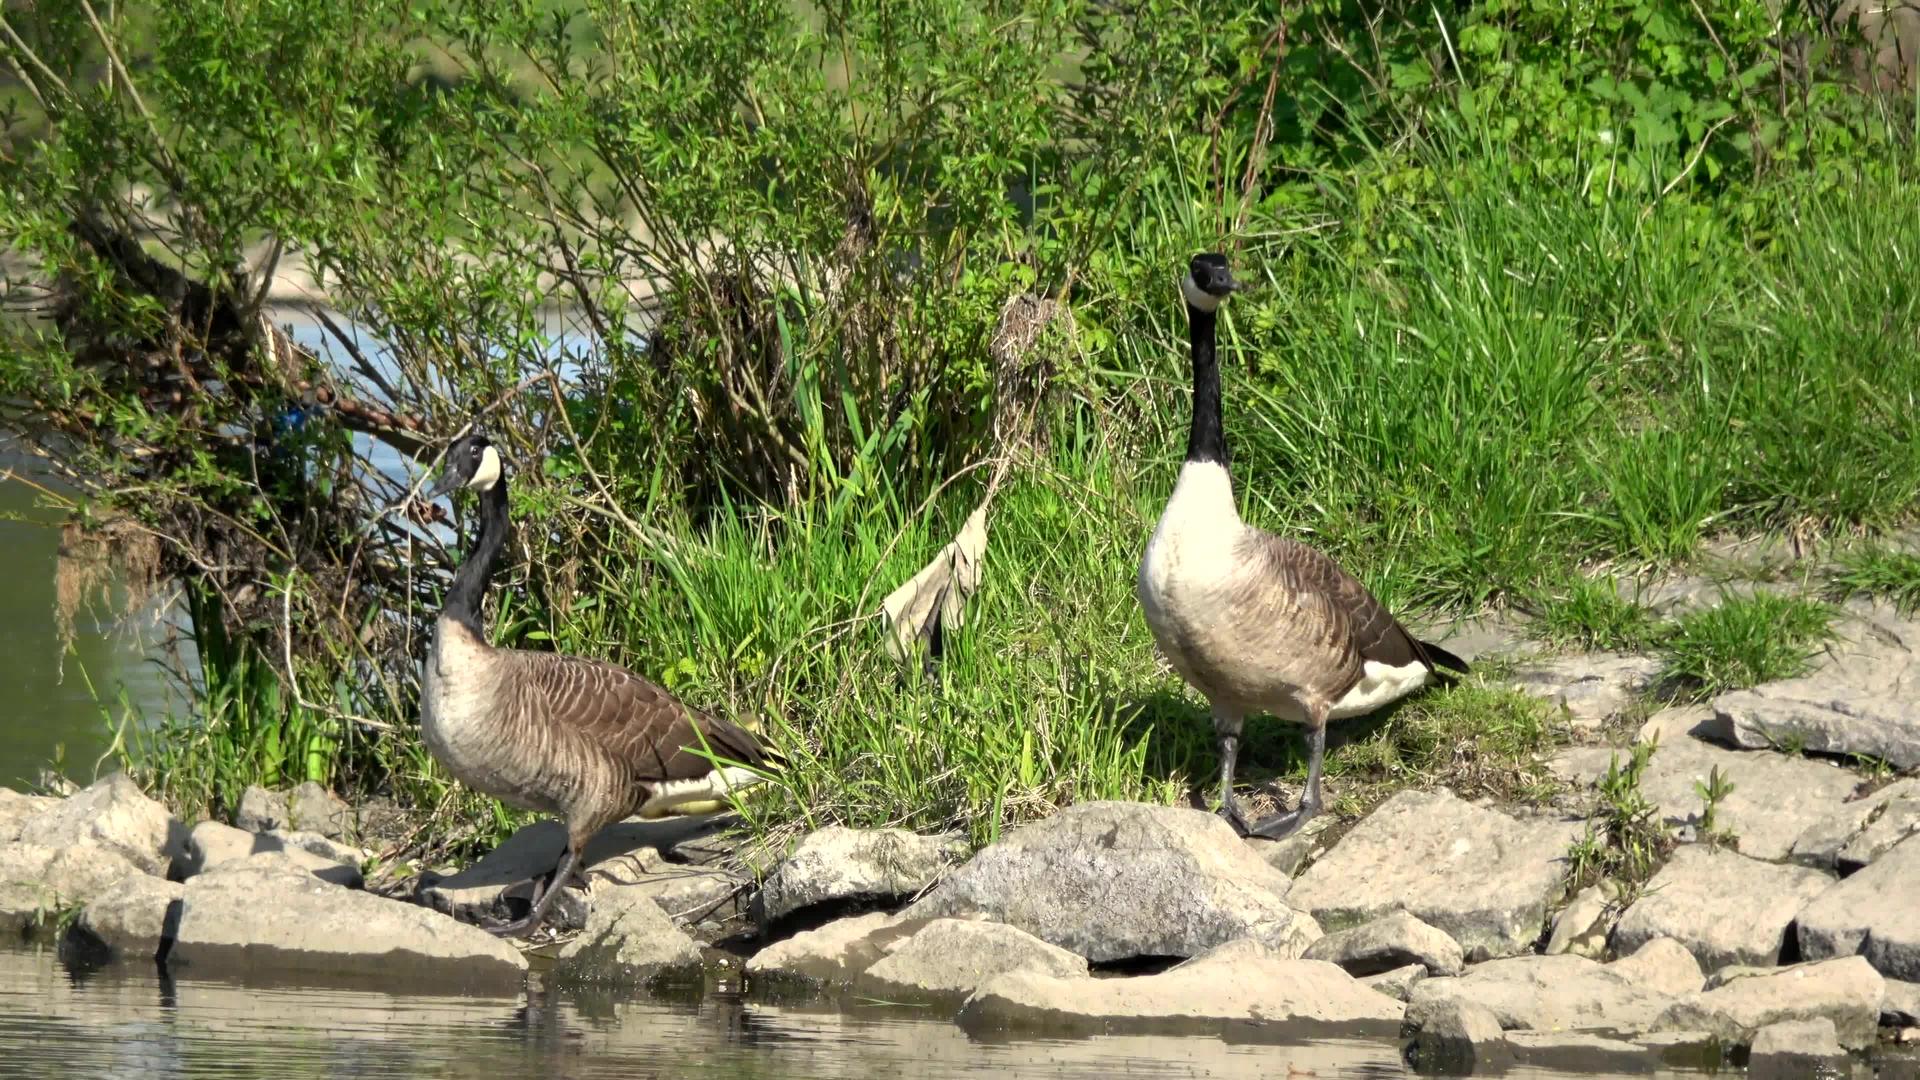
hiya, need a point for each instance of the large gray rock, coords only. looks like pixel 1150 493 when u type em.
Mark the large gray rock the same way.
pixel 1846 992
pixel 112 813
pixel 263 914
pixel 213 844
pixel 1113 880
pixel 832 954
pixel 500 885
pixel 1460 1037
pixel 1901 1006
pixel 1790 1049
pixel 1842 830
pixel 688 893
pixel 1209 993
pixel 1724 907
pixel 1873 913
pixel 1484 878
pixel 38 882
pixel 1774 799
pixel 308 807
pixel 1397 984
pixel 1821 714
pixel 947 956
pixel 1592 688
pixel 1546 993
pixel 131 919
pixel 628 939
pixel 1662 965
pixel 16 807
pixel 837 863
pixel 1387 943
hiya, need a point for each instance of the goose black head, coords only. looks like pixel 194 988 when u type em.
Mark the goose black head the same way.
pixel 1208 281
pixel 471 462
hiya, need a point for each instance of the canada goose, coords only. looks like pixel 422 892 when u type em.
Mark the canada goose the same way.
pixel 1257 622
pixel 566 735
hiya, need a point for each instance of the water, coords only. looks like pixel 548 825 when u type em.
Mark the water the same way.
pixel 115 1023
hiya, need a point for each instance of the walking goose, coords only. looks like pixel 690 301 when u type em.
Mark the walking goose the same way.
pixel 1258 622
pixel 587 740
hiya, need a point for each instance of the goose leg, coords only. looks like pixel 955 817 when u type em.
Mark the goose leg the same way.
pixel 1285 824
pixel 1228 728
pixel 544 902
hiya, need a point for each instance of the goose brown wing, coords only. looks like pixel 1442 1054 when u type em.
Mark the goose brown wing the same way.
pixel 657 735
pixel 1354 617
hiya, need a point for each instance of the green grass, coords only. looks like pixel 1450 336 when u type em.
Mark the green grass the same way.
pixel 1745 641
pixel 1589 614
pixel 1478 740
pixel 1878 572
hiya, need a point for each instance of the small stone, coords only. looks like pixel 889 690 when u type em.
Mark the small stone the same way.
pixel 1724 907
pixel 1898 819
pixel 837 863
pixel 1477 874
pixel 1901 1007
pixel 1774 798
pixel 1547 993
pixel 1115 880
pixel 1204 995
pixel 1288 854
pixel 212 844
pixel 1583 926
pixel 1790 1049
pixel 1822 841
pixel 261 810
pixel 1387 943
pixel 627 939
pixel 1397 984
pixel 1872 913
pixel 312 808
pixel 1846 992
pixel 112 813
pixel 958 955
pixel 263 914
pixel 131 919
pixel 16 808
pixel 1460 1037
pixel 1662 965
pixel 832 954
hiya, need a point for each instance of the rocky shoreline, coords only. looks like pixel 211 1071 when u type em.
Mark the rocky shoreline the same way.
pixel 1787 936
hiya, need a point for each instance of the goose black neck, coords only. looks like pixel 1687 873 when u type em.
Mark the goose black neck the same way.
pixel 1206 441
pixel 470 582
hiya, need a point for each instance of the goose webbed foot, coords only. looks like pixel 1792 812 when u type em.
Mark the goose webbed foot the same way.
pixel 549 891
pixel 1280 826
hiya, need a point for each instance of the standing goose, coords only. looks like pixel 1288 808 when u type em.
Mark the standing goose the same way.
pixel 587 740
pixel 1258 622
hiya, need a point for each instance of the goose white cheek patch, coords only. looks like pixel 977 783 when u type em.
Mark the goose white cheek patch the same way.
pixel 488 474
pixel 1197 296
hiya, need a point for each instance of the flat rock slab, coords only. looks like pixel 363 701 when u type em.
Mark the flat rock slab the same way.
pixel 1460 1037
pixel 1484 878
pixel 1839 840
pixel 499 886
pixel 1820 714
pixel 837 863
pixel 686 892
pixel 627 939
pixel 1773 801
pixel 111 813
pixel 1593 688
pixel 1114 880
pixel 1389 942
pixel 1875 913
pixel 306 808
pixel 1662 965
pixel 37 882
pixel 957 956
pixel 832 954
pixel 131 920
pixel 1397 984
pixel 212 844
pixel 1724 907
pixel 1546 993
pixel 1204 995
pixel 1846 992
pixel 1794 1048
pixel 265 915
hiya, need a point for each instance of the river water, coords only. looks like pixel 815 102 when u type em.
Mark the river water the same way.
pixel 55 1024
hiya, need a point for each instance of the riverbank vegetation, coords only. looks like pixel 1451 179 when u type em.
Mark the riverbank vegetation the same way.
pixel 1541 288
